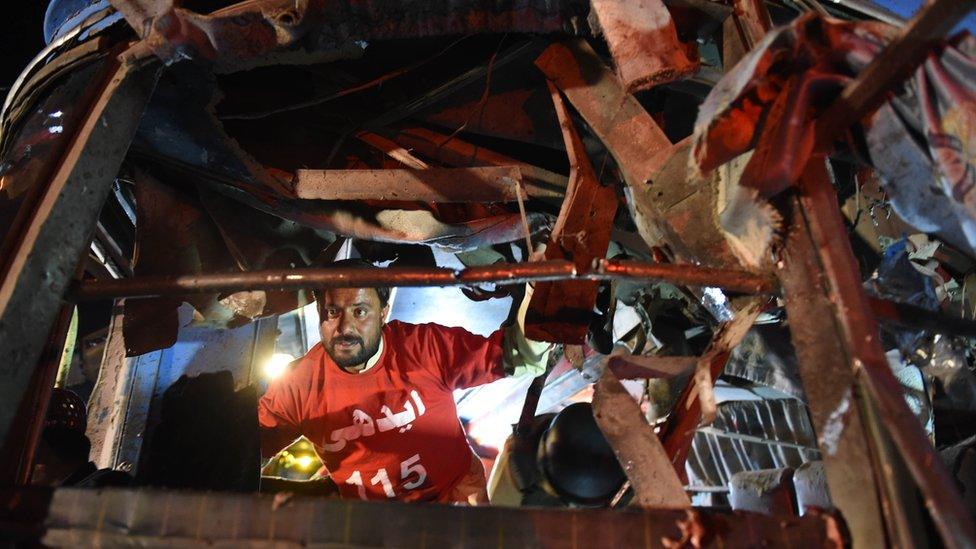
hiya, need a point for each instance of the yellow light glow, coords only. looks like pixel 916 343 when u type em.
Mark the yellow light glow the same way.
pixel 305 461
pixel 276 365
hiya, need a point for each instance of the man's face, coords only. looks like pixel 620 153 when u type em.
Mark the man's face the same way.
pixel 352 320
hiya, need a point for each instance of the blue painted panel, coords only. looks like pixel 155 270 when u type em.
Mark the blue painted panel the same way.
pixel 907 8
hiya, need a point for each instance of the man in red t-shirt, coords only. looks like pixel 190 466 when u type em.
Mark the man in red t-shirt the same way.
pixel 376 398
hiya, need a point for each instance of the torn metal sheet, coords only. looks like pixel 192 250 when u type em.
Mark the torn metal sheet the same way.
pixel 561 312
pixel 767 357
pixel 628 131
pixel 644 42
pixel 484 185
pixel 750 224
pixel 930 181
pixel 696 404
pixel 730 123
pixel 915 137
pixel 696 210
pixel 651 473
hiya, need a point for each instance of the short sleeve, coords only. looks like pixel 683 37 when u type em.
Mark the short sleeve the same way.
pixel 279 416
pixel 462 358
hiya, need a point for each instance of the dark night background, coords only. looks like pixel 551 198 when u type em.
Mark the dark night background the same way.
pixel 21 37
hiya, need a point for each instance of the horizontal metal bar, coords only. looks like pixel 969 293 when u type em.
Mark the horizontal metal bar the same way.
pixel 499 273
pixel 916 318
pixel 715 489
pixel 689 275
pixel 481 184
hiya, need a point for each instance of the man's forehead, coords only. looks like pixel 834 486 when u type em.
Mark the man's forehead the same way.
pixel 350 296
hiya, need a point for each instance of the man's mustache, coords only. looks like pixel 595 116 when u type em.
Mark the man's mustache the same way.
pixel 347 339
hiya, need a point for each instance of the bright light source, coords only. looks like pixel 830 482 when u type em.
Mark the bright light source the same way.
pixel 305 461
pixel 276 365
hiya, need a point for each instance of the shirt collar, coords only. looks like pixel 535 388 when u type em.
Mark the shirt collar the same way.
pixel 375 358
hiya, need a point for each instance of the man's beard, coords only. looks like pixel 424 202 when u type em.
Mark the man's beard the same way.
pixel 364 354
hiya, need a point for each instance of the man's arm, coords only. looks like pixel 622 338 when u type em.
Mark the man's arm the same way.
pixel 467 360
pixel 278 419
pixel 522 355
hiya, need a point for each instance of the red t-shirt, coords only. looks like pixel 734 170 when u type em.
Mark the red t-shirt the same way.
pixel 393 430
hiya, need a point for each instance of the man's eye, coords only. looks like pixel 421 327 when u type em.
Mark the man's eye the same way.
pixel 332 313
pixel 360 313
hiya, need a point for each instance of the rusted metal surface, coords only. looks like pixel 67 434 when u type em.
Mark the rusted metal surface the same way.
pixel 499 273
pixel 139 14
pixel 44 259
pixel 456 152
pixel 828 385
pixel 174 235
pixel 748 24
pixel 736 281
pixel 110 397
pixel 640 452
pixel 644 42
pixel 261 32
pixel 767 491
pixel 857 332
pixel 643 153
pixel 689 204
pixel 520 114
pixel 488 184
pixel 696 402
pixel 650 367
pixel 75 517
pixel 628 131
pixel 392 149
pixel 929 26
pixel 561 311
pixel 17 453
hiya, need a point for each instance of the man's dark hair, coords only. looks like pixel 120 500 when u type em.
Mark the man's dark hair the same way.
pixel 382 291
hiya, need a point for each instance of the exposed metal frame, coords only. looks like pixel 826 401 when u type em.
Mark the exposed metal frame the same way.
pixel 46 253
pixel 819 277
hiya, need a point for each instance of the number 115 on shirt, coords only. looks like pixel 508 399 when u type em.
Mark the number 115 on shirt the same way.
pixel 409 467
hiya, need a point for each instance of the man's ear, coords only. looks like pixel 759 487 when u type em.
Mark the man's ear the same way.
pixel 386 312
